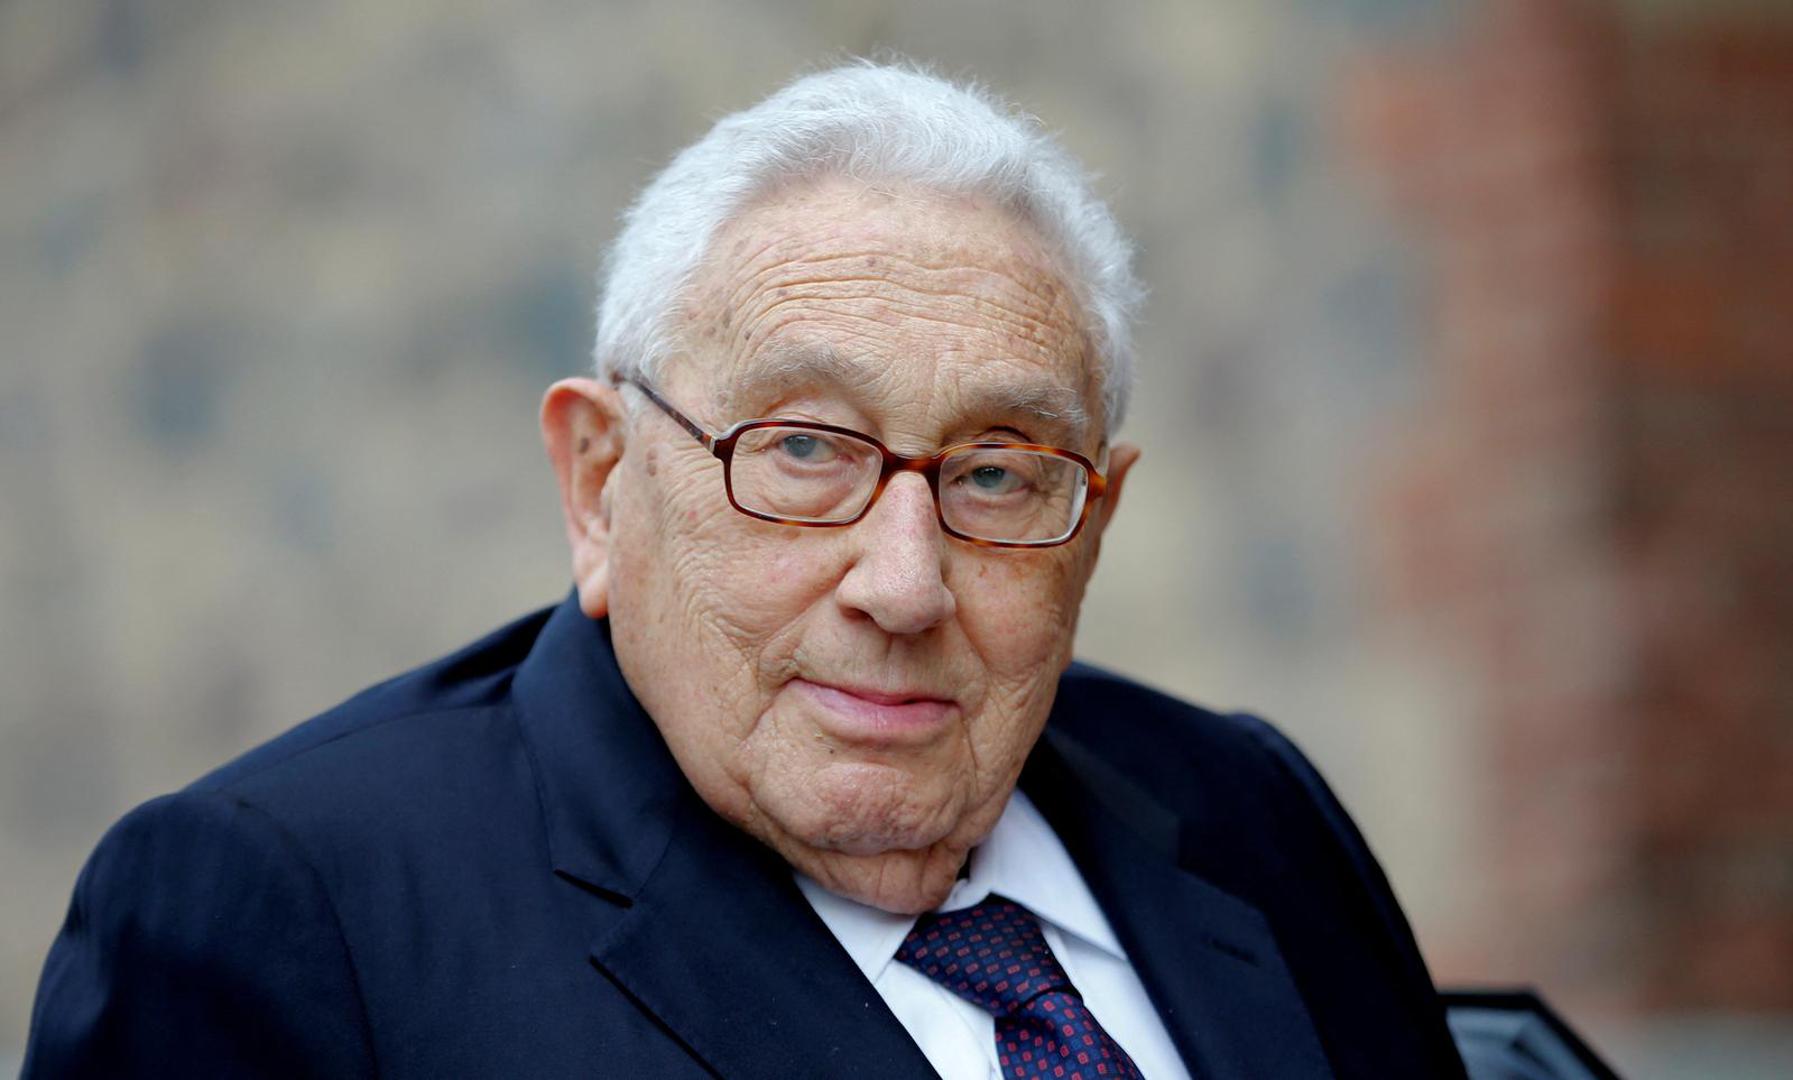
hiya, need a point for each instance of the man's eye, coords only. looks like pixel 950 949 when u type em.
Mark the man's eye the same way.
pixel 990 477
pixel 994 479
pixel 807 448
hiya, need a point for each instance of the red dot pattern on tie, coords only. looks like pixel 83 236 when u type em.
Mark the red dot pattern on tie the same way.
pixel 993 955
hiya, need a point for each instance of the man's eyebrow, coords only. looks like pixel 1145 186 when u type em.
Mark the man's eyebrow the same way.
pixel 1059 407
pixel 782 368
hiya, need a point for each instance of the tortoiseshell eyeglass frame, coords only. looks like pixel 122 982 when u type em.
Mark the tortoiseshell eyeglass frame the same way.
pixel 722 445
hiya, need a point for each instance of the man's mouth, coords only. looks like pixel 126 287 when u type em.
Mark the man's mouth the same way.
pixel 876 715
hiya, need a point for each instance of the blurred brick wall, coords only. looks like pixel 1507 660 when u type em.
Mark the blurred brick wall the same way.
pixel 1701 343
pixel 1593 503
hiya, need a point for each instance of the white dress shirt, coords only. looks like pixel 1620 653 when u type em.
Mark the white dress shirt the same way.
pixel 1024 861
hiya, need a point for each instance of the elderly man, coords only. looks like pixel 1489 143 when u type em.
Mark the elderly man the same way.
pixel 801 782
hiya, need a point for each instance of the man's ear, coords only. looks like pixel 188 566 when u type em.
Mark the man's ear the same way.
pixel 1121 457
pixel 584 425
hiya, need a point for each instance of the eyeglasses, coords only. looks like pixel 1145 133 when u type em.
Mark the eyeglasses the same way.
pixel 996 494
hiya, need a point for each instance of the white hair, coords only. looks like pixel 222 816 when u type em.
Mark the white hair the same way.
pixel 878 123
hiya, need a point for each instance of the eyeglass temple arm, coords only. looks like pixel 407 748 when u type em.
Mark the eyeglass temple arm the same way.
pixel 698 433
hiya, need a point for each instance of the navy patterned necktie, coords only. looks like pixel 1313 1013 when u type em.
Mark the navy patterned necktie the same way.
pixel 993 955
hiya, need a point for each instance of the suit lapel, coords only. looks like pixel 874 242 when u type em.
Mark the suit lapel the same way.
pixel 744 973
pixel 1208 959
pixel 705 929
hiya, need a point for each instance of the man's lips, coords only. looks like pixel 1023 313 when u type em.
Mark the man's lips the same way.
pixel 864 714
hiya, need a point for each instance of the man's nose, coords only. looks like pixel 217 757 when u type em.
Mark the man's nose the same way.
pixel 898 574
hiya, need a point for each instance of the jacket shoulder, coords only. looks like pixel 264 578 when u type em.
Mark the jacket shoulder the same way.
pixel 470 681
pixel 191 907
pixel 411 776
pixel 1162 740
pixel 1240 784
pixel 1259 821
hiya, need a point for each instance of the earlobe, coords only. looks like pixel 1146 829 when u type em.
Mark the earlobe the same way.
pixel 583 430
pixel 593 586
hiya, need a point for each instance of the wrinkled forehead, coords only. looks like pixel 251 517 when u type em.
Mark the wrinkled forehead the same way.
pixel 948 308
pixel 991 390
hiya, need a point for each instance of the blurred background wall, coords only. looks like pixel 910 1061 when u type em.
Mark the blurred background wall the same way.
pixel 1467 404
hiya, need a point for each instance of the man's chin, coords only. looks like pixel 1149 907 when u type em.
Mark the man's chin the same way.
pixel 898 856
pixel 906 882
pixel 867 807
pixel 878 838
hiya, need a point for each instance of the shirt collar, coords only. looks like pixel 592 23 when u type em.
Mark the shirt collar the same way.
pixel 1021 859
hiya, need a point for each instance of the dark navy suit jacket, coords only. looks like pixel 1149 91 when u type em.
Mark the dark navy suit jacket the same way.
pixel 493 867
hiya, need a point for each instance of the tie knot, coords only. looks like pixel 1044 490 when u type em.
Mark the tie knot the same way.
pixel 992 954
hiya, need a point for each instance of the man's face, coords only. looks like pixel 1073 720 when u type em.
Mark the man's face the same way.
pixel 859 698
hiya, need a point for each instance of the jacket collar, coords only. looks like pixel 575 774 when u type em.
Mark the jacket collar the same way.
pixel 705 928
pixel 609 787
pixel 694 902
